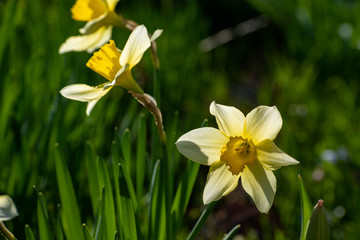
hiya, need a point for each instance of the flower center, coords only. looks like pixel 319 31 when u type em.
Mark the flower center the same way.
pixel 237 153
pixel 106 61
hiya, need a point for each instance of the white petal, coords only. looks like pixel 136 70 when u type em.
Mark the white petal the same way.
pixel 135 46
pixel 271 157
pixel 88 42
pixel 111 4
pixel 156 34
pixel 260 184
pixel 220 182
pixel 8 209
pixel 229 119
pixel 90 106
pixel 94 25
pixel 202 145
pixel 262 123
pixel 83 92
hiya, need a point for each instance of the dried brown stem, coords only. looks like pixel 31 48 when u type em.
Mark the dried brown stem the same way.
pixel 5 232
pixel 149 103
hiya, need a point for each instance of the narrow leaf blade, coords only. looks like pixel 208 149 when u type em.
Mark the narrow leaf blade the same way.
pixel 318 227
pixel 306 207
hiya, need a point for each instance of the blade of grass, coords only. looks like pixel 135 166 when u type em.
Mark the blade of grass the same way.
pixel 154 180
pixel 86 232
pixel 28 233
pixel 100 227
pixel 127 213
pixel 306 208
pixel 42 216
pixel 183 193
pixel 318 227
pixel 59 229
pixel 126 149
pixel 92 174
pixel 232 233
pixel 70 214
pixel 201 221
pixel 140 157
pixel 7 26
pixel 165 185
pixel 109 210
pixel 129 182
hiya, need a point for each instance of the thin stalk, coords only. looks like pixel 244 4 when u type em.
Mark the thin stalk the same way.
pixel 165 169
pixel 5 232
pixel 201 221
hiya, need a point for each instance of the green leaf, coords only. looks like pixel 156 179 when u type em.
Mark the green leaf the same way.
pixel 109 210
pixel 100 226
pixel 141 157
pixel 232 233
pixel 126 149
pixel 306 207
pixel 59 229
pixel 86 232
pixel 7 28
pixel 43 221
pixel 70 215
pixel 201 221
pixel 127 177
pixel 92 174
pixel 126 208
pixel 318 227
pixel 28 233
pixel 183 193
pixel 153 219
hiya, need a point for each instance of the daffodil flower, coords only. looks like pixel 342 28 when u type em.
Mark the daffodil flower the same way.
pixel 8 209
pixel 115 66
pixel 100 16
pixel 241 147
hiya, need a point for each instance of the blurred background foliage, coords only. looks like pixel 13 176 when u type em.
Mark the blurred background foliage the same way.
pixel 305 60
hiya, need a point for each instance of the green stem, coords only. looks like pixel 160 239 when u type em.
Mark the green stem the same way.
pixel 5 232
pixel 201 221
pixel 165 169
pixel 232 233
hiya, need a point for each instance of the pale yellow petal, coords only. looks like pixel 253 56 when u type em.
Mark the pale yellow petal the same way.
pixel 112 4
pixel 83 92
pixel 262 123
pixel 220 182
pixel 8 209
pixel 271 157
pixel 87 10
pixel 135 47
pixel 156 34
pixel 229 119
pixel 94 25
pixel 88 42
pixel 202 145
pixel 106 61
pixel 260 184
pixel 90 106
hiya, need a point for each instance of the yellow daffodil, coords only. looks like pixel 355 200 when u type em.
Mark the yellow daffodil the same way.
pixel 242 146
pixel 115 66
pixel 100 16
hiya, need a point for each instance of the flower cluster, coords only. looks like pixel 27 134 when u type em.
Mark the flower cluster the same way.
pixel 242 147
